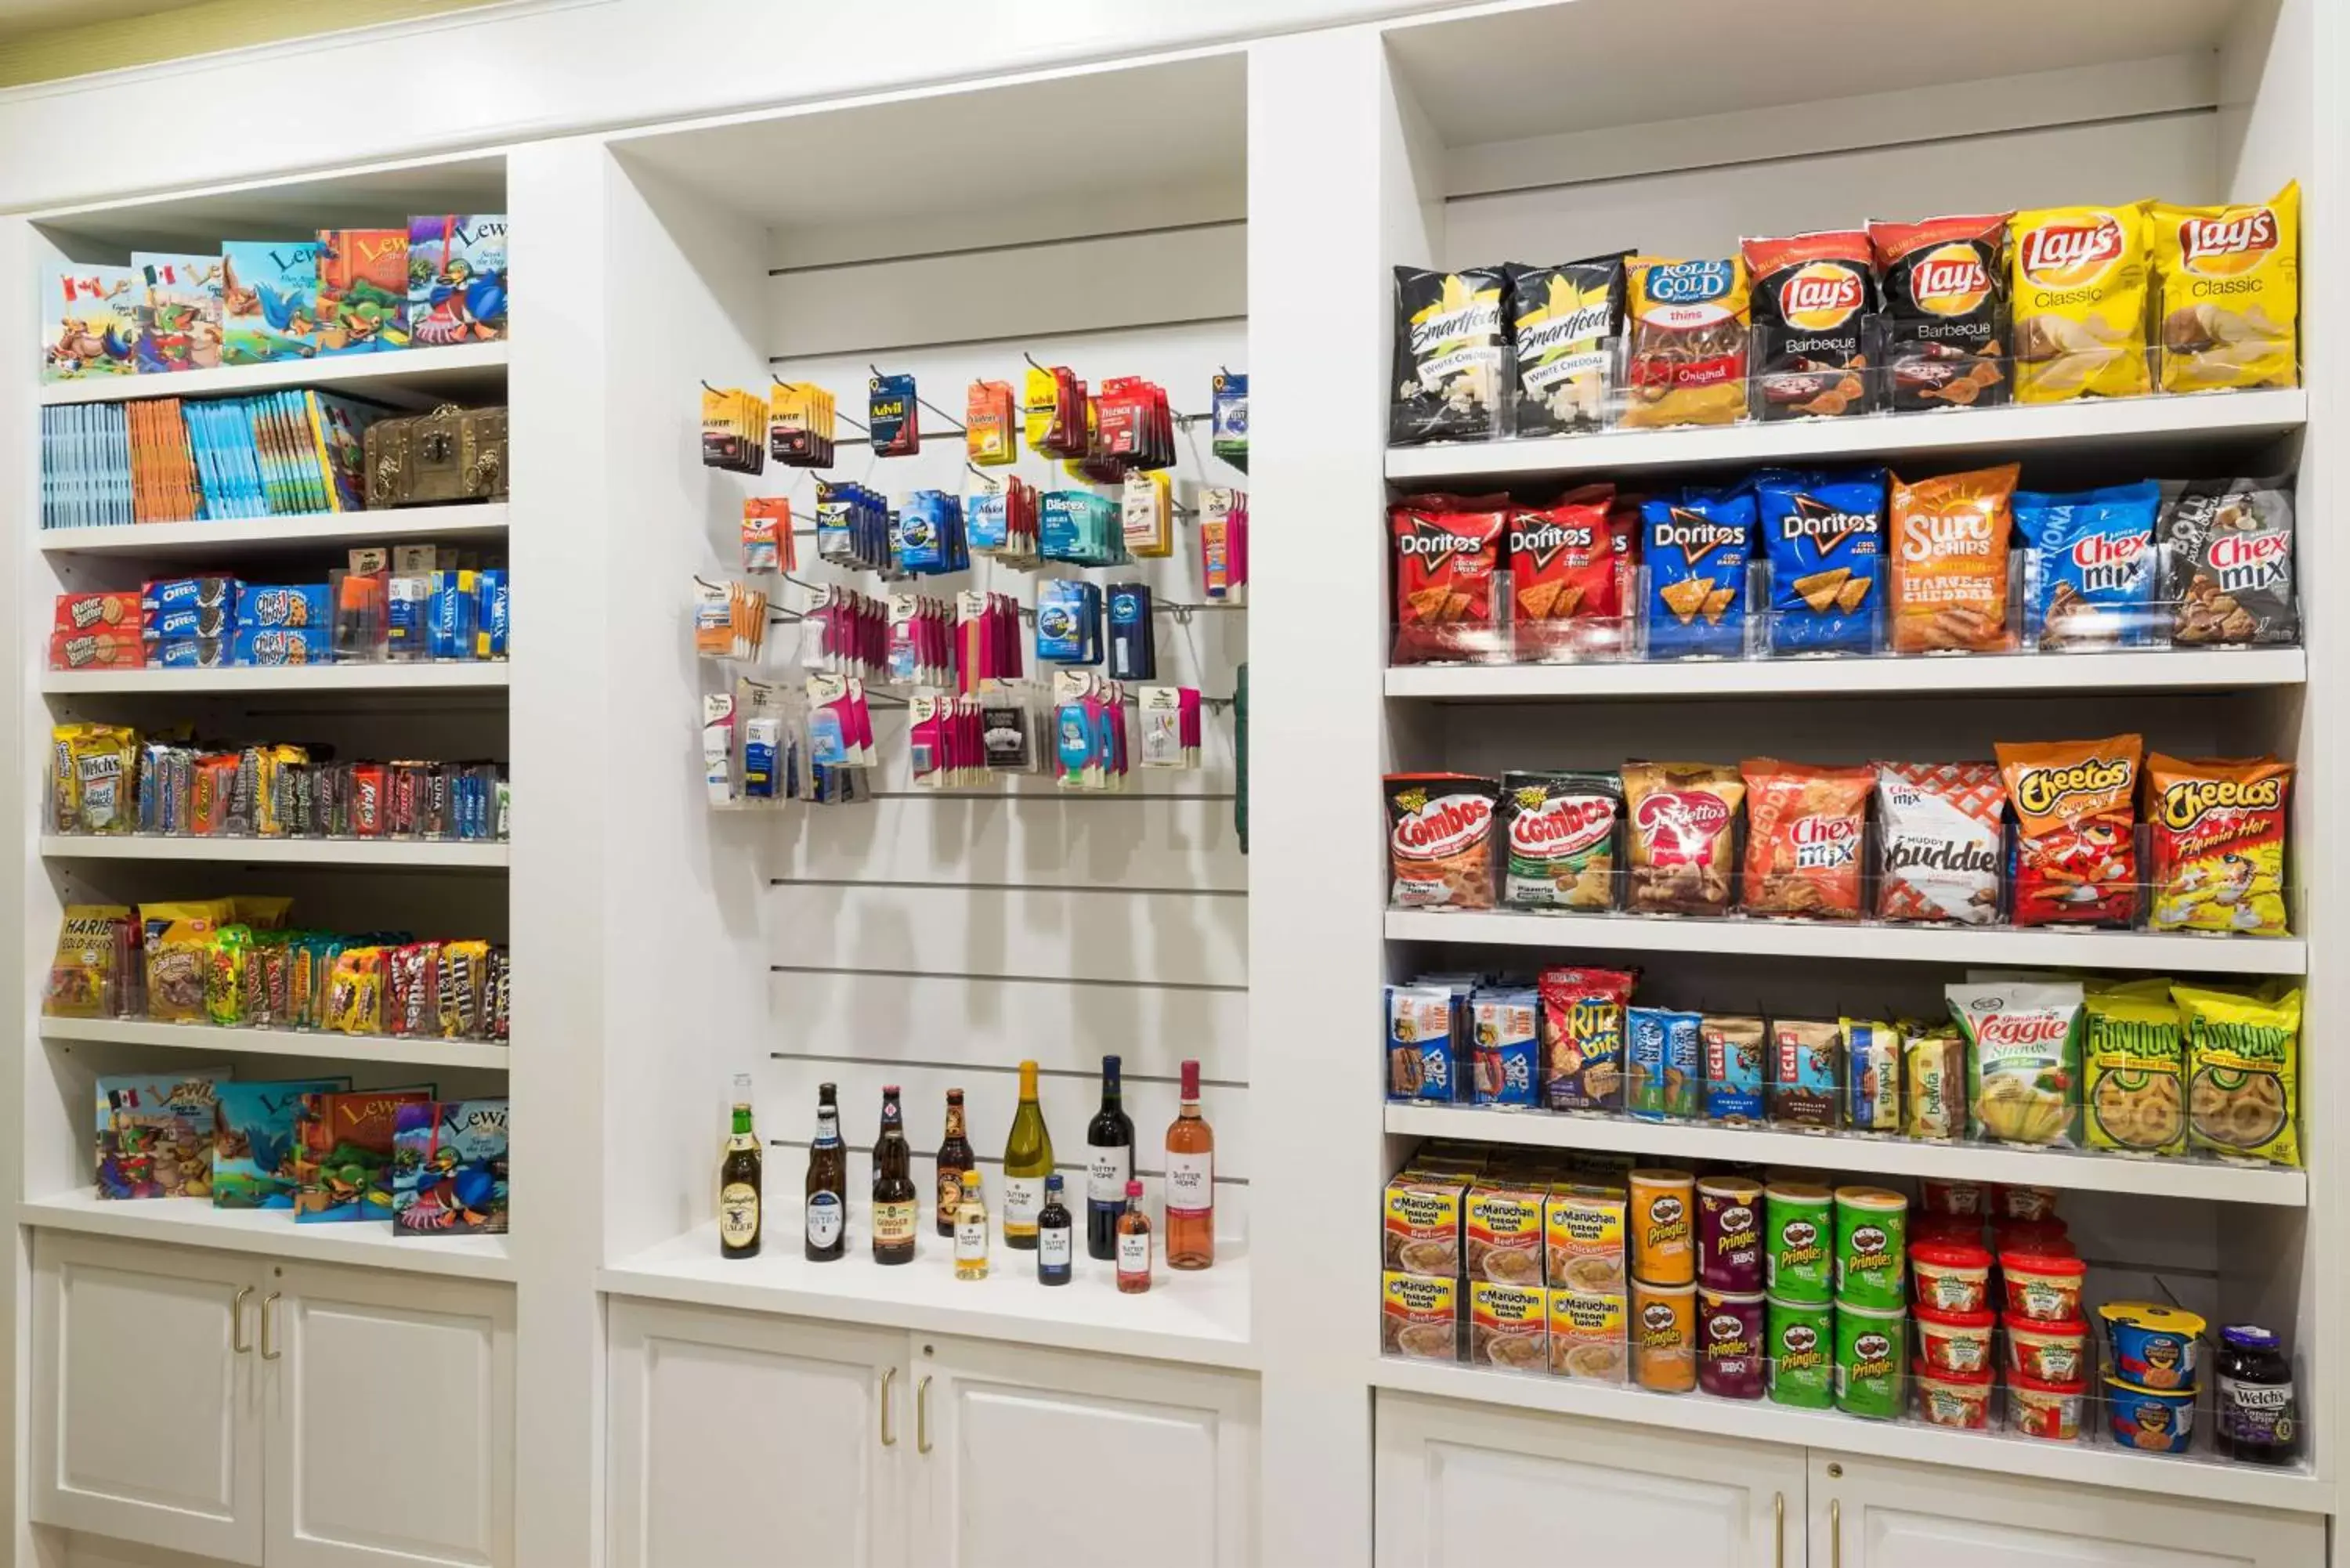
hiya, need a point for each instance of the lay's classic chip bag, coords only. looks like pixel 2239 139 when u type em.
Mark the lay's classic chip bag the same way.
pixel 2079 302
pixel 1696 548
pixel 1824 535
pixel 2231 292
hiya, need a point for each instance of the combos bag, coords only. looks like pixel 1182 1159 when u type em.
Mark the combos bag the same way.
pixel 1696 549
pixel 1566 324
pixel 1451 342
pixel 1944 327
pixel 1803 838
pixel 2088 578
pixel 1440 841
pixel 2230 283
pixel 1825 538
pixel 2076 846
pixel 2216 848
pixel 2227 568
pixel 1814 324
pixel 2079 303
pixel 1564 566
pixel 2023 1058
pixel 1681 820
pixel 1558 833
pixel 1685 342
pixel 1949 587
pixel 1447 552
pixel 2243 1074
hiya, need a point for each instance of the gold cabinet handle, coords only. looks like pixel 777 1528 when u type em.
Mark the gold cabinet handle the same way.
pixel 1835 1534
pixel 236 1320
pixel 269 1351
pixel 1778 1530
pixel 889 1438
pixel 922 1417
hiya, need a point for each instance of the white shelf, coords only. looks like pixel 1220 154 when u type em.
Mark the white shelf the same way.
pixel 279 851
pixel 312 1043
pixel 2089 1463
pixel 2154 429
pixel 242 538
pixel 472 366
pixel 1202 1318
pixel 2166 670
pixel 2078 1172
pixel 2037 947
pixel 270 1232
pixel 421 677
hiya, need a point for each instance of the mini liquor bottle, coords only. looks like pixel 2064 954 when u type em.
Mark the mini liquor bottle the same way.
pixel 970 1230
pixel 1134 1243
pixel 1056 1238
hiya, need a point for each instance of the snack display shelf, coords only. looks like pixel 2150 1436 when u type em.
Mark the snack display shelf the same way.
pixel 1200 1318
pixel 2087 1463
pixel 305 1043
pixel 468 369
pixel 408 676
pixel 2154 428
pixel 2039 946
pixel 2170 670
pixel 269 1232
pixel 2072 1170
pixel 451 853
pixel 238 539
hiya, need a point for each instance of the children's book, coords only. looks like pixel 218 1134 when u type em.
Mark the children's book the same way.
pixel 155 1133
pixel 449 1169
pixel 89 324
pixel 269 300
pixel 362 290
pixel 456 277
pixel 338 431
pixel 342 1160
pixel 252 1151
pixel 179 311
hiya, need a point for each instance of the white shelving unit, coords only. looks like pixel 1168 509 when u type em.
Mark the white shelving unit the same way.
pixel 409 374
pixel 192 1222
pixel 2171 671
pixel 493 675
pixel 306 1044
pixel 233 540
pixel 451 853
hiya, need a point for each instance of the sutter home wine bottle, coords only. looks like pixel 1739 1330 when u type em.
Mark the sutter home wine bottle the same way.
pixel 1027 1160
pixel 1109 1165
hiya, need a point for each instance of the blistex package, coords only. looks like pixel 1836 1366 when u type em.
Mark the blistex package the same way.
pixel 2088 578
pixel 1824 535
pixel 1696 549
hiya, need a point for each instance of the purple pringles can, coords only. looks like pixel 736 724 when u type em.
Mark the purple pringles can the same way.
pixel 1729 1326
pixel 1730 1235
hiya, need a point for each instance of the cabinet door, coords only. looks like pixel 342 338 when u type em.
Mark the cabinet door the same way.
pixel 1458 1486
pixel 742 1441
pixel 1044 1459
pixel 1875 1513
pixel 145 1421
pixel 391 1419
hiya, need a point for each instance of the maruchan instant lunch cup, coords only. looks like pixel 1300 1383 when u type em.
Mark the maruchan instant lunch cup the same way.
pixel 2154 1346
pixel 1663 1337
pixel 1871 1345
pixel 1729 1234
pixel 1871 1226
pixel 1663 1217
pixel 1798 1241
pixel 1801 1345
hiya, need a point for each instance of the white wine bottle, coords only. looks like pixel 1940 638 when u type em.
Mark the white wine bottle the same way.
pixel 1027 1160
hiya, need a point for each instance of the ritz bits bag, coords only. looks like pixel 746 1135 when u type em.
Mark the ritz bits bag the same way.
pixel 2231 285
pixel 2076 838
pixel 2217 844
pixel 1949 560
pixel 1687 342
pixel 2080 285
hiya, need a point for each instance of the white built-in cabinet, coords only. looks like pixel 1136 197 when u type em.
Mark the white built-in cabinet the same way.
pixel 1455 1484
pixel 739 1440
pixel 279 1415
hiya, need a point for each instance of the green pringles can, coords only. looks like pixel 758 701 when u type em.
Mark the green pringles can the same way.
pixel 1872 1229
pixel 1869 1347
pixel 1801 1344
pixel 1798 1241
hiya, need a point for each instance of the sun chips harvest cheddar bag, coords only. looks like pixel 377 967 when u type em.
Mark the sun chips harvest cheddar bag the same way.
pixel 2079 303
pixel 1949 561
pixel 2231 291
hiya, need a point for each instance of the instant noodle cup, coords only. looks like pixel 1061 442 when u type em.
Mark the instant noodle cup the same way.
pixel 2041 1288
pixel 1955 1343
pixel 1663 1217
pixel 1798 1240
pixel 1868 1361
pixel 2050 1352
pixel 1951 1276
pixel 1587 1335
pixel 2230 281
pixel 1663 1337
pixel 1799 1339
pixel 2154 1346
pixel 1729 1234
pixel 1951 1399
pixel 2050 1411
pixel 1583 1235
pixel 1871 1240
pixel 2243 1074
pixel 1731 1343
pixel 2079 299
pixel 2151 1420
pixel 2013 1201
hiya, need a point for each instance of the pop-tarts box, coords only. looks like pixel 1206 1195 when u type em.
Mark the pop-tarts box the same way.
pixel 273 645
pixel 189 653
pixel 295 604
pixel 490 620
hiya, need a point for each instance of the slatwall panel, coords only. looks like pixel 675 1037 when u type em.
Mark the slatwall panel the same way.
pixel 933 939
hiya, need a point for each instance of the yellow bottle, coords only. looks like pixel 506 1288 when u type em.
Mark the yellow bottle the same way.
pixel 971 1231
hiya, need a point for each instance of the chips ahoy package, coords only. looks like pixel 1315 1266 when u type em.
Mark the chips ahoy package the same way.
pixel 1696 548
pixel 2089 575
pixel 1824 535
